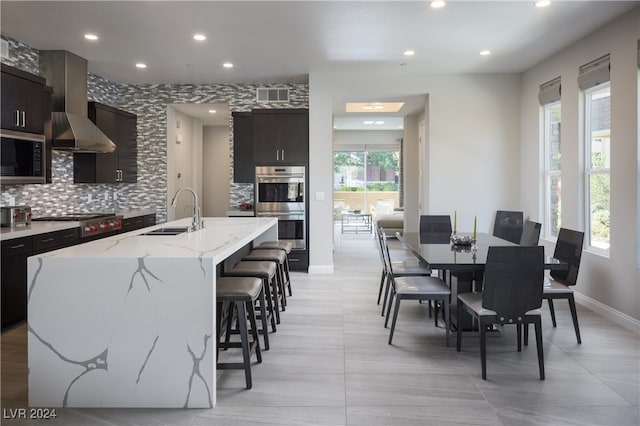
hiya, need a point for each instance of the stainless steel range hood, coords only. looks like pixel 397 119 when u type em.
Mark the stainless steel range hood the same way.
pixel 71 128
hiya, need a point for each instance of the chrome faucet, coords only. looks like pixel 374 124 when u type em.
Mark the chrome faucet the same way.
pixel 196 223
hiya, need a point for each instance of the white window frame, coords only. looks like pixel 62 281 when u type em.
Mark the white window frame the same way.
pixel 589 171
pixel 548 173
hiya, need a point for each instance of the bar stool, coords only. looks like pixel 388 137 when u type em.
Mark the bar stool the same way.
pixel 279 257
pixel 240 293
pixel 285 245
pixel 266 271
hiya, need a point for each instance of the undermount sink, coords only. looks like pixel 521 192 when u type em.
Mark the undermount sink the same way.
pixel 168 231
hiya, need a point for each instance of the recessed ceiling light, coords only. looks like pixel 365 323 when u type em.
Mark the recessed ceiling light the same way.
pixel 369 122
pixel 409 52
pixel 199 37
pixel 379 122
pixel 485 52
pixel 542 3
pixel 437 4
pixel 91 37
pixel 373 107
pixel 376 107
pixel 141 65
pixel 212 111
pixel 227 65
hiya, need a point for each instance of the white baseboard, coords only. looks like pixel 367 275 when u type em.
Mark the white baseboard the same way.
pixel 320 269
pixel 606 311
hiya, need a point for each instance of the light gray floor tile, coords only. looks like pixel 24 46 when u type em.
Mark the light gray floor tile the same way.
pixel 273 416
pixel 569 416
pixel 467 414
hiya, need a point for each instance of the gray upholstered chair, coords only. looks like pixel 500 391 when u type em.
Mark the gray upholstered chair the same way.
pixel 402 268
pixel 414 288
pixel 512 295
pixel 435 229
pixel 530 233
pixel 508 225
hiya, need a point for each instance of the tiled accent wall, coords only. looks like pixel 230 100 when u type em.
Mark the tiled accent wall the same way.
pixel 149 102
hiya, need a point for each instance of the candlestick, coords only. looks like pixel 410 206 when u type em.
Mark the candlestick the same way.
pixel 475 226
pixel 455 221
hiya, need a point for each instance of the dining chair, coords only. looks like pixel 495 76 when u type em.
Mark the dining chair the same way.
pixel 401 268
pixel 530 233
pixel 568 249
pixel 435 229
pixel 414 287
pixel 512 295
pixel 508 225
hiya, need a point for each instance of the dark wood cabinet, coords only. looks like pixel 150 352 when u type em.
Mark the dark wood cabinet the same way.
pixel 243 165
pixel 138 222
pixel 118 166
pixel 14 279
pixel 23 98
pixel 55 240
pixel 281 136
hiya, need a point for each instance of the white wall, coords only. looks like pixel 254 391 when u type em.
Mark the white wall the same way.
pixel 613 281
pixel 346 139
pixel 184 161
pixel 473 153
pixel 215 171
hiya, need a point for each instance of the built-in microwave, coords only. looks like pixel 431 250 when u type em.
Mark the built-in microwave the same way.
pixel 22 158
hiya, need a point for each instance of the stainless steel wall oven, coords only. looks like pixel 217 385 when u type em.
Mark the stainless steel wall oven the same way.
pixel 280 192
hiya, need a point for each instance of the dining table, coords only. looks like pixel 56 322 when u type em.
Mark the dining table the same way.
pixel 465 262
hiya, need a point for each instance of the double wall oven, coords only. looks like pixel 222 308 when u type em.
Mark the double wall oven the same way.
pixel 280 192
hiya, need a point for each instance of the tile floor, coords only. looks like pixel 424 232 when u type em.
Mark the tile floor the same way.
pixel 330 364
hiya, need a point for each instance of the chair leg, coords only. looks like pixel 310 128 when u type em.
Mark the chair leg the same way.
pixel 391 296
pixel 519 335
pixel 276 304
pixel 254 329
pixel 526 334
pixel 435 311
pixel 552 311
pixel 459 329
pixel 263 319
pixel 447 322
pixel 574 316
pixel 244 339
pixel 483 349
pixel 269 297
pixel 381 286
pixel 386 294
pixel 395 317
pixel 538 327
pixel 286 273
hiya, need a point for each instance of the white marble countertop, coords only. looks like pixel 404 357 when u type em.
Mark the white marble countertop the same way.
pixel 219 238
pixel 238 212
pixel 35 228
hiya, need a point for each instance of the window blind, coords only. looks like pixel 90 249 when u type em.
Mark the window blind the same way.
pixel 550 91
pixel 594 73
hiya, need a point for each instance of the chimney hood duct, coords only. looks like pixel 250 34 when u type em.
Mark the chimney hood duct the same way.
pixel 71 128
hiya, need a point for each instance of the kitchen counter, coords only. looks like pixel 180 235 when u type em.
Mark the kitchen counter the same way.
pixel 240 213
pixel 129 320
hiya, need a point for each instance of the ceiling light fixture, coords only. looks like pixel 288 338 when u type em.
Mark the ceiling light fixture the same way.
pixel 369 122
pixel 379 122
pixel 141 65
pixel 227 65
pixel 373 107
pixel 212 111
pixel 199 37
pixel 91 37
pixel 409 52
pixel 542 3
pixel 485 52
pixel 437 4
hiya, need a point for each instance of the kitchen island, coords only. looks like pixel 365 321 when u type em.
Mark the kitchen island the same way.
pixel 129 320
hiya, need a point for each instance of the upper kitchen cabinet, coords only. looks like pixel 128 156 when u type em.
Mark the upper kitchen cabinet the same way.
pixel 118 166
pixel 280 136
pixel 23 98
pixel 243 165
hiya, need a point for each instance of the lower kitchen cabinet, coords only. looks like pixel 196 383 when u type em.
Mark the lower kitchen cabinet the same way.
pixel 14 269
pixel 138 222
pixel 14 279
pixel 299 260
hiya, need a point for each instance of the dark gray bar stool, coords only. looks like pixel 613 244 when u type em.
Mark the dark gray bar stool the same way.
pixel 266 271
pixel 279 257
pixel 284 245
pixel 240 294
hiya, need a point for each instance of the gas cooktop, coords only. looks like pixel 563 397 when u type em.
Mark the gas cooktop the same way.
pixel 91 224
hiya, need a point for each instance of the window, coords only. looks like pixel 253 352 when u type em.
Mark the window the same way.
pixel 552 169
pixel 549 97
pixel 598 165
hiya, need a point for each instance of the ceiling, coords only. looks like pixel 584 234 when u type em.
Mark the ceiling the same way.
pixel 272 42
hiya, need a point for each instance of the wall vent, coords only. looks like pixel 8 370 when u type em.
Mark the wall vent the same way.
pixel 4 49
pixel 273 94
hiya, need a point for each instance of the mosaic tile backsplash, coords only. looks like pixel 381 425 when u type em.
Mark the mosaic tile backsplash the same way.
pixel 149 102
